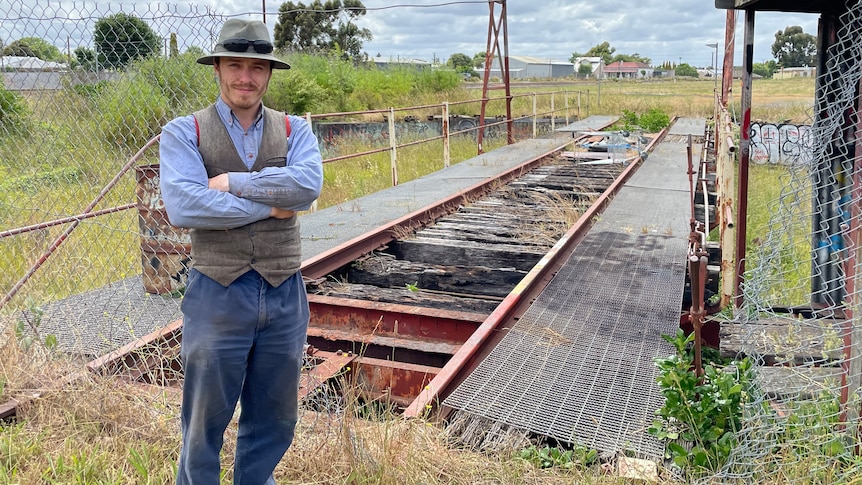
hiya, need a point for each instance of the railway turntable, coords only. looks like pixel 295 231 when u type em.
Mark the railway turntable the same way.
pixel 578 365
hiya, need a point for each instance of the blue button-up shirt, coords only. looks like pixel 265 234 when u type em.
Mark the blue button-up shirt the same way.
pixel 189 201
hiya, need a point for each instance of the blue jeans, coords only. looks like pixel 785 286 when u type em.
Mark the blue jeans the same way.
pixel 241 343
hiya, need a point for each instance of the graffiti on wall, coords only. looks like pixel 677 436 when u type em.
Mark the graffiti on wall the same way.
pixel 785 143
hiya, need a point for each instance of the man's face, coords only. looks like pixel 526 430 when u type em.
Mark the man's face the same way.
pixel 243 81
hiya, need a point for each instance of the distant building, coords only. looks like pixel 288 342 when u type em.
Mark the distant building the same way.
pixel 597 66
pixel 29 64
pixel 707 72
pixel 386 63
pixel 738 71
pixel 523 67
pixel 628 70
pixel 34 74
pixel 791 72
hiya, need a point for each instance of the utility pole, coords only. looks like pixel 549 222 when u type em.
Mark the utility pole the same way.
pixel 714 45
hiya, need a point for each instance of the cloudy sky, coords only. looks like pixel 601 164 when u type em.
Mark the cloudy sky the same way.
pixel 663 30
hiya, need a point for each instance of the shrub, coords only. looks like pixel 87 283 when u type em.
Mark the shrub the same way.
pixel 294 92
pixel 335 76
pixel 437 80
pixel 187 85
pixel 131 112
pixel 13 111
pixel 704 411
pixel 654 120
pixel 92 90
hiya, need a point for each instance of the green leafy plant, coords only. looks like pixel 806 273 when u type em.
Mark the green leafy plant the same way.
pixel 654 120
pixel 703 411
pixel 13 109
pixel 27 330
pixel 578 457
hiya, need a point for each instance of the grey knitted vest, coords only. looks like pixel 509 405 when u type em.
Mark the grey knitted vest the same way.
pixel 271 246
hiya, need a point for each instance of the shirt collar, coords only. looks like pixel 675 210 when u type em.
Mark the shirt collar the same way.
pixel 227 116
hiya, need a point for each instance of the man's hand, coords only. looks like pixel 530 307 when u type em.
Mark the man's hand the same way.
pixel 281 213
pixel 220 182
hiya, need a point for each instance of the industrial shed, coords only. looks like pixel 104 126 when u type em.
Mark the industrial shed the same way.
pixel 521 67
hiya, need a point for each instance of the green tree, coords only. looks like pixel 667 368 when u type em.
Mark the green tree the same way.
pixel 685 70
pixel 33 47
pixel 794 48
pixel 603 50
pixel 321 27
pixel 479 60
pixel 122 38
pixel 85 59
pixel 766 69
pixel 460 62
pixel 13 110
pixel 631 58
pixel 585 69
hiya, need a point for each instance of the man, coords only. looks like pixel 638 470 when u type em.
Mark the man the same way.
pixel 235 173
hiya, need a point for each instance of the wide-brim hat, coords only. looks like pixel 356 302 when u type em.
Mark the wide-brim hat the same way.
pixel 236 32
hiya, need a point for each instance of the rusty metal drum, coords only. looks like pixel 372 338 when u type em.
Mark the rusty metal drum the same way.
pixel 165 249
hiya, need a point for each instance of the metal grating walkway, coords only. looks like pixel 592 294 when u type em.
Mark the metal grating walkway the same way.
pixel 578 365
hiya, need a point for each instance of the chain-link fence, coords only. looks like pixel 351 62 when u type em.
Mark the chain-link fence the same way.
pixel 801 317
pixel 71 123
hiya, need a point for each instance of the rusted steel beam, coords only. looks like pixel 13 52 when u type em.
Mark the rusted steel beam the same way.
pixel 382 380
pixel 333 365
pixel 128 356
pixel 369 317
pixel 394 382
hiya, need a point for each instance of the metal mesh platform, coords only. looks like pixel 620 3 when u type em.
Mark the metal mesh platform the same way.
pixel 99 321
pixel 578 366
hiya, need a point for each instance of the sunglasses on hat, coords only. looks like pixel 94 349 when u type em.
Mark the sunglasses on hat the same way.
pixel 242 45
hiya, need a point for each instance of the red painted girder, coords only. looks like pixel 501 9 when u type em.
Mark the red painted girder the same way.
pixel 334 364
pixel 361 318
pixel 392 382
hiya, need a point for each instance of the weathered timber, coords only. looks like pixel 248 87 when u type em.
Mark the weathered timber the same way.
pixel 798 382
pixel 467 253
pixel 563 184
pixel 523 237
pixel 385 270
pixel 784 340
pixel 578 171
pixel 404 296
